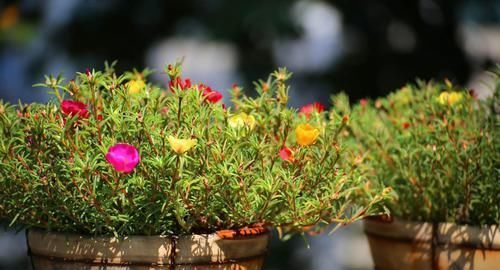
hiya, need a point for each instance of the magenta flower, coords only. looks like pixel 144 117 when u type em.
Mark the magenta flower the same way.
pixel 123 157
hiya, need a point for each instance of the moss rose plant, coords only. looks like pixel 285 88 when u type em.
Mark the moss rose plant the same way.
pixel 116 154
pixel 436 145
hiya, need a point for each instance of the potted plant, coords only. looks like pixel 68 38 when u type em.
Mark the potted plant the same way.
pixel 437 146
pixel 117 172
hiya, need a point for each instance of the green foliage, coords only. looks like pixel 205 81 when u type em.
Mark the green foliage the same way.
pixel 436 146
pixel 54 174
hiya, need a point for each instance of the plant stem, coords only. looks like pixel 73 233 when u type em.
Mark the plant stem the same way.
pixel 178 166
pixel 179 110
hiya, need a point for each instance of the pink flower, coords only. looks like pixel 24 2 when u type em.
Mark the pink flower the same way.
pixel 71 108
pixel 312 107
pixel 164 110
pixel 210 95
pixel 286 154
pixel 123 157
pixel 179 83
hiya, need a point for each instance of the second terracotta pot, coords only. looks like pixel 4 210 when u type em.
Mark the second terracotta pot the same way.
pixel 398 244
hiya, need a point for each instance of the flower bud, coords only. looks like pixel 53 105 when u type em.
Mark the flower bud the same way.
pixel 345 119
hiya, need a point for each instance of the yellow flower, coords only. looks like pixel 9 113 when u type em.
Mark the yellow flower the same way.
pixel 242 119
pixel 181 145
pixel 250 121
pixel 450 97
pixel 403 96
pixel 443 98
pixel 306 134
pixel 236 121
pixel 455 97
pixel 135 86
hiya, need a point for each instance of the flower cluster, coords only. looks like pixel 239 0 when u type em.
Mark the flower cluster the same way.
pixel 116 154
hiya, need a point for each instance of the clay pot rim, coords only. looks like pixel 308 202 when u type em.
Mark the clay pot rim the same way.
pixel 486 236
pixel 266 232
pixel 151 250
pixel 390 219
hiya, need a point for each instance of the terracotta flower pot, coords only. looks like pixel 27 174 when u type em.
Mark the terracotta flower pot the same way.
pixel 399 244
pixel 51 251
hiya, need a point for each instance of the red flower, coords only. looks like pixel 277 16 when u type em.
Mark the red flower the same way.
pixel 312 107
pixel 179 83
pixel 406 125
pixel 210 95
pixel 286 154
pixel 363 102
pixel 71 108
pixel 164 110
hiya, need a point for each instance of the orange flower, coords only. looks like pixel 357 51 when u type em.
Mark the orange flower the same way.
pixel 306 134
